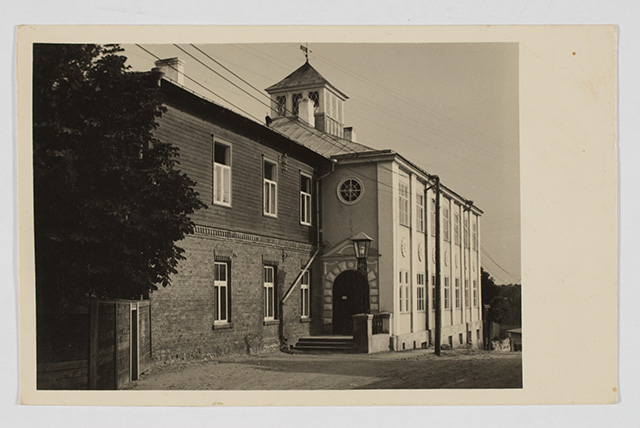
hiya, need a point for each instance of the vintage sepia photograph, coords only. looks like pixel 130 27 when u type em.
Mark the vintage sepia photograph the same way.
pixel 322 216
pixel 282 216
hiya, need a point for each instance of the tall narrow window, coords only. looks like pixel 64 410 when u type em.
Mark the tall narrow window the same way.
pixel 457 292
pixel 221 292
pixel 313 96
pixel 400 290
pixel 305 200
pixel 295 99
pixel 222 174
pixel 269 293
pixel 403 203
pixel 467 294
pixel 474 235
pixel 475 293
pixel 420 212
pixel 432 217
pixel 305 297
pixel 270 196
pixel 456 227
pixel 447 293
pixel 281 105
pixel 466 232
pixel 407 298
pixel 420 291
pixel 404 295
pixel 446 225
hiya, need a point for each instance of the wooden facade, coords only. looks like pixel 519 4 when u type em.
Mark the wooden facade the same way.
pixel 237 233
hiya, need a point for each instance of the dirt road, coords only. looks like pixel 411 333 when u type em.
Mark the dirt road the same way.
pixel 417 369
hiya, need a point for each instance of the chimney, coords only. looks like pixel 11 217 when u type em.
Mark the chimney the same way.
pixel 350 134
pixel 306 111
pixel 173 69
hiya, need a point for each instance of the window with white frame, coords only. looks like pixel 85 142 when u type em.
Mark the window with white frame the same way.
pixel 474 235
pixel 456 227
pixel 447 293
pixel 400 289
pixel 281 105
pixel 420 292
pixel 350 190
pixel 305 283
pixel 475 292
pixel 420 212
pixel 466 231
pixel 222 174
pixel 467 294
pixel 446 225
pixel 403 203
pixel 305 199
pixel 457 292
pixel 269 293
pixel 221 292
pixel 404 295
pixel 432 217
pixel 407 297
pixel 270 193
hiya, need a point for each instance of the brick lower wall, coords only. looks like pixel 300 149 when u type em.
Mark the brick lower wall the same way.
pixel 183 313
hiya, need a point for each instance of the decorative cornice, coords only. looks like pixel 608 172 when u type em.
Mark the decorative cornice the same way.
pixel 248 237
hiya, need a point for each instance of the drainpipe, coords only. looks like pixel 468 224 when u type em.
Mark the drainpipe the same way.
pixel 308 264
pixel 427 302
pixel 438 326
pixel 467 273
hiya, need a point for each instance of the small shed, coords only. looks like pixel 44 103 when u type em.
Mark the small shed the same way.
pixel 515 338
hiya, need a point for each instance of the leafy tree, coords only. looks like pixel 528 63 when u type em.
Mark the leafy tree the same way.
pixel 505 300
pixel 110 202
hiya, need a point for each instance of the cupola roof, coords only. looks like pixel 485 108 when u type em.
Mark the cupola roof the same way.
pixel 304 76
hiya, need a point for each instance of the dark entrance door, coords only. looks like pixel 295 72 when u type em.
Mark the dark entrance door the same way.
pixel 344 301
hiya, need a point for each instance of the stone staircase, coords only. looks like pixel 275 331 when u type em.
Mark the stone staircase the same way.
pixel 332 344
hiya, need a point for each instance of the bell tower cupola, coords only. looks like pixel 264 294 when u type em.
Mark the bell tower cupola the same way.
pixel 309 97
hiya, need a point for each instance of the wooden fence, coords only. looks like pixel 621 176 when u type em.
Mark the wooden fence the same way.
pixel 101 345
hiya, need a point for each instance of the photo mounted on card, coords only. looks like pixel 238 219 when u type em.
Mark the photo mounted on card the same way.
pixel 261 215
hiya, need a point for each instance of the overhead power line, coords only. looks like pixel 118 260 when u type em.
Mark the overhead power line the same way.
pixel 202 86
pixel 486 253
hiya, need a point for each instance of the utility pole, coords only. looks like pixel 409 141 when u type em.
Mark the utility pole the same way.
pixel 438 332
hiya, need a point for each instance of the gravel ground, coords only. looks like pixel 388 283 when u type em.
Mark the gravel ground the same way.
pixel 416 369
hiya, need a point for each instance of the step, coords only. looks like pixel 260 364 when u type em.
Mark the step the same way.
pixel 325 342
pixel 324 345
pixel 340 344
pixel 322 349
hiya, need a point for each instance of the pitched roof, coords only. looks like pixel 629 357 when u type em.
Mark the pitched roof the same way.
pixel 324 144
pixel 305 75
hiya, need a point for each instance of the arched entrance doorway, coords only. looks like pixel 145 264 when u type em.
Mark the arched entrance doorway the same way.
pixel 350 296
pixel 344 302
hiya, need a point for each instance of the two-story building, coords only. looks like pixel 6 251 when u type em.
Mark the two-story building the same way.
pixel 254 243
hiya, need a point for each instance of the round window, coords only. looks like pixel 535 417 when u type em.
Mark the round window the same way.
pixel 350 190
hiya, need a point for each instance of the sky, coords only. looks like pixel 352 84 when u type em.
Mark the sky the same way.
pixel 451 108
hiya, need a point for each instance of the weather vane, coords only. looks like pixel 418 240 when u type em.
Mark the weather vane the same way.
pixel 305 49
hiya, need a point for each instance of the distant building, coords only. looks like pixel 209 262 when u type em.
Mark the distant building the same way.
pixel 272 261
